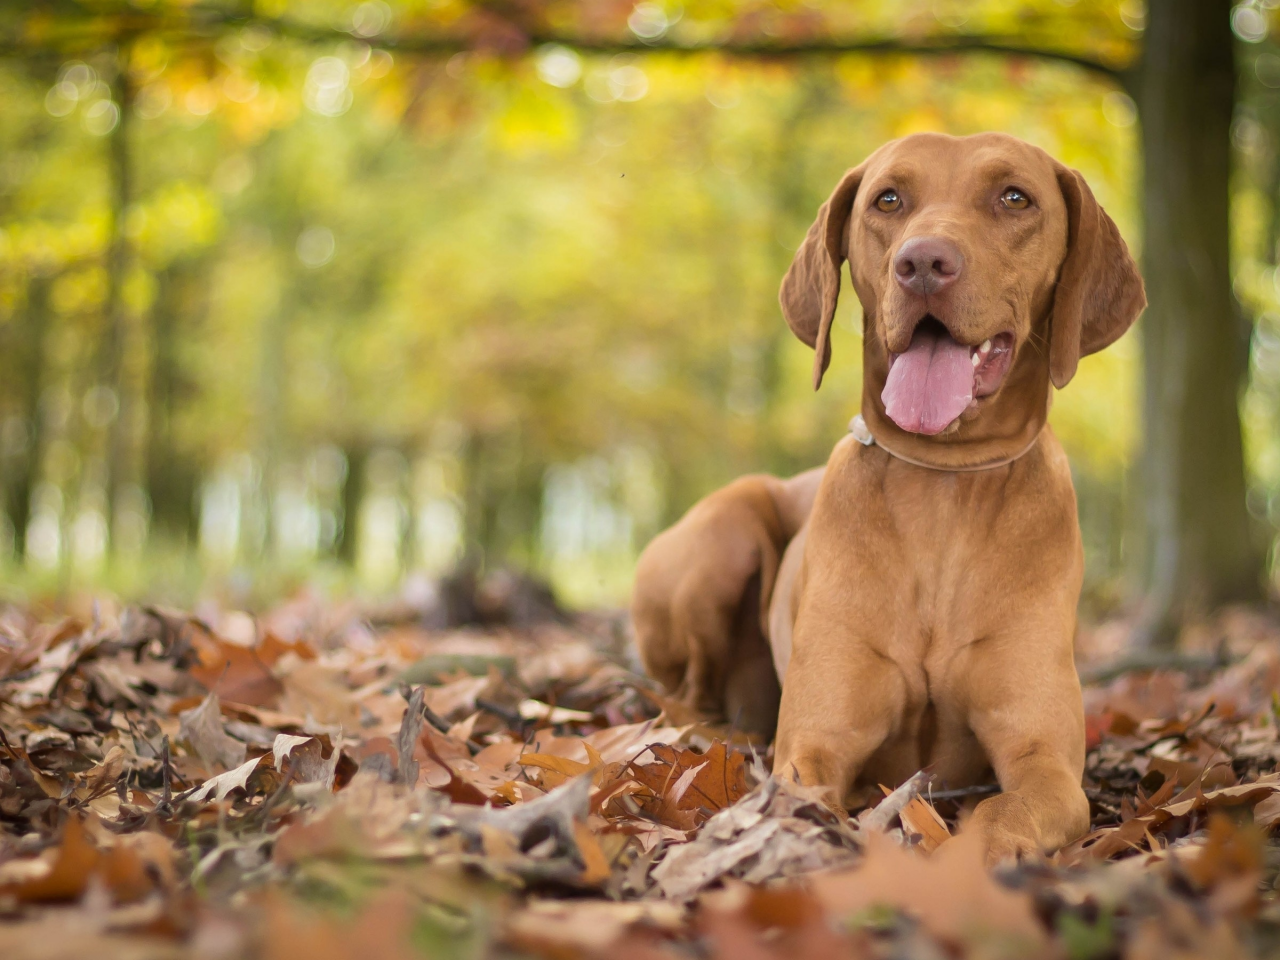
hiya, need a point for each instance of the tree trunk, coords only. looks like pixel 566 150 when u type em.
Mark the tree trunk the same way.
pixel 112 360
pixel 26 366
pixel 171 476
pixel 347 546
pixel 1198 549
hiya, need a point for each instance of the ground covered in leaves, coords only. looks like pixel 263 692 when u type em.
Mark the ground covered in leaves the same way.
pixel 327 781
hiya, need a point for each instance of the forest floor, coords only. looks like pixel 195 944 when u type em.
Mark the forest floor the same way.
pixel 327 781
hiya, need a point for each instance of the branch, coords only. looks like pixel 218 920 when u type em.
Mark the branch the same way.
pixel 205 23
pixel 776 49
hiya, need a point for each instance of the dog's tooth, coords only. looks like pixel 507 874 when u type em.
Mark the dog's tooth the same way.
pixel 986 347
pixel 976 359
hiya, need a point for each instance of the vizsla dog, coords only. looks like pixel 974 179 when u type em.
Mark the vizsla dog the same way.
pixel 923 609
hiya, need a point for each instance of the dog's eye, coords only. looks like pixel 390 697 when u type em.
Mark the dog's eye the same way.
pixel 1015 199
pixel 888 201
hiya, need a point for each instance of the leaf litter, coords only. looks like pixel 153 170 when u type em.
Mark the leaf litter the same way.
pixel 323 783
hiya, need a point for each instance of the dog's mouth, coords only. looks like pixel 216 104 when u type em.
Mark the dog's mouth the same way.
pixel 937 378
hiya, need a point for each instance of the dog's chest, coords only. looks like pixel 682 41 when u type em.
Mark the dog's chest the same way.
pixel 934 561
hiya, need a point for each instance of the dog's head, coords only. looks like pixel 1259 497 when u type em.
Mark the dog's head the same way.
pixel 969 256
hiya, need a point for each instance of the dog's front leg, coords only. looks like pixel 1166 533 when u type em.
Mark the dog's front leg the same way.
pixel 1026 711
pixel 840 702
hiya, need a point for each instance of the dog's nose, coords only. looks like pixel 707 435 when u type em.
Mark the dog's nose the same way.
pixel 927 265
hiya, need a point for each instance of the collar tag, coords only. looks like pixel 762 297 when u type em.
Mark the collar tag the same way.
pixel 861 432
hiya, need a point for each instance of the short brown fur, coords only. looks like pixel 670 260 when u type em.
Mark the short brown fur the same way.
pixel 923 612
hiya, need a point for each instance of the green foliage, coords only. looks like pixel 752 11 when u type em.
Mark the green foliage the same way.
pixel 1084 940
pixel 535 294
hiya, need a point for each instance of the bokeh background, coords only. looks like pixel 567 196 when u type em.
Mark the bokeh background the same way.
pixel 349 294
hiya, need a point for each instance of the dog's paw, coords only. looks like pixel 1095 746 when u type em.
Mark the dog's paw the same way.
pixel 1005 848
pixel 1008 830
pixel 813 769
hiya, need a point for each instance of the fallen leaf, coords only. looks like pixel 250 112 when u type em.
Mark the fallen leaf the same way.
pixel 221 785
pixel 67 875
pixel 537 710
pixel 570 768
pixel 234 672
pixel 880 818
pixel 595 864
pixel 920 818
pixel 202 729
pixel 951 893
pixel 305 758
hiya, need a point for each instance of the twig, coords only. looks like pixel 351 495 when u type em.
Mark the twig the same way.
pixel 437 721
pixel 960 793
pixel 136 732
pixel 166 772
pixel 880 816
pixel 1144 660
pixel 636 810
pixel 504 713
pixel 4 741
pixel 440 724
pixel 167 799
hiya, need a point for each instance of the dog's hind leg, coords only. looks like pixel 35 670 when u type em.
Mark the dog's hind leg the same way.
pixel 701 590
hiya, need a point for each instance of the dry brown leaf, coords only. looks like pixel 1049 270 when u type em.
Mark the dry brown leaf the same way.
pixel 271 648
pixel 457 788
pixel 202 729
pixel 305 758
pixel 76 862
pixel 680 788
pixel 1243 793
pixel 624 809
pixel 457 698
pixel 1267 813
pixel 104 774
pixel 919 817
pixel 595 868
pixel 221 785
pixel 236 673
pixel 950 893
pixel 753 923
pixel 382 929
pixel 570 768
pixel 559 928
pixel 317 692
pixel 67 874
pixel 624 742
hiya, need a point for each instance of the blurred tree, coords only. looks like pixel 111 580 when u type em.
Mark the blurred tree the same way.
pixel 110 381
pixel 24 348
pixel 270 232
pixel 1199 550
pixel 172 478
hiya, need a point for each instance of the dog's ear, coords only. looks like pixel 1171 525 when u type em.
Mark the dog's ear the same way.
pixel 1099 292
pixel 812 284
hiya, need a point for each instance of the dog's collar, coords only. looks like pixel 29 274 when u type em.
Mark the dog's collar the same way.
pixel 862 433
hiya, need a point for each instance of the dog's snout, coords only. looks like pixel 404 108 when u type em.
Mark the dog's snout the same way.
pixel 927 265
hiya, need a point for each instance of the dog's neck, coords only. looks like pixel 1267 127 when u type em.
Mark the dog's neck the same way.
pixel 1005 427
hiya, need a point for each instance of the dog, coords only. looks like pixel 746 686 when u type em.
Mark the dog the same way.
pixel 923 610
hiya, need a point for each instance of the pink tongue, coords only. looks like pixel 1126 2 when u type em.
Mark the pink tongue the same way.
pixel 929 385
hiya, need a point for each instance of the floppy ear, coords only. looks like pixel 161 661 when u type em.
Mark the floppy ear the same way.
pixel 1099 292
pixel 812 284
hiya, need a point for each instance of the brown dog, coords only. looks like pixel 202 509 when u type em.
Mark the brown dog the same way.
pixel 924 615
